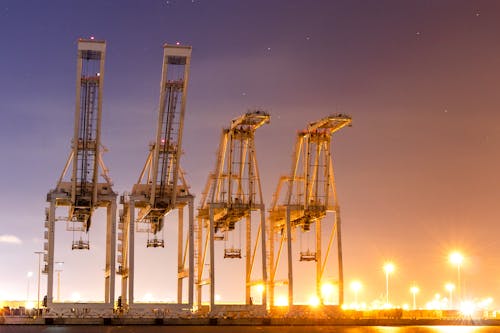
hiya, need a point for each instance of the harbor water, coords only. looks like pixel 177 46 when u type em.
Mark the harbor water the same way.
pixel 245 329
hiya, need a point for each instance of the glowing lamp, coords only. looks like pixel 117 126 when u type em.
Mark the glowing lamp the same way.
pixel 456 258
pixel 314 301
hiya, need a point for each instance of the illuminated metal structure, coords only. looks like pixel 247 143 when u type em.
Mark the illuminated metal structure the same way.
pixel 231 193
pixel 307 195
pixel 161 188
pixel 83 193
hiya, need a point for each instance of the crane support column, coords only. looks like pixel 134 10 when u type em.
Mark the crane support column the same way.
pixel 191 256
pixel 289 256
pixel 264 256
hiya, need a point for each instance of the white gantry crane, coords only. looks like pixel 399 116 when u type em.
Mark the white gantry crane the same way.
pixel 161 188
pixel 83 193
pixel 301 202
pixel 232 192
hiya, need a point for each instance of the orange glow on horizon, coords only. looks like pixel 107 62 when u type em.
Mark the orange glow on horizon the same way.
pixel 282 301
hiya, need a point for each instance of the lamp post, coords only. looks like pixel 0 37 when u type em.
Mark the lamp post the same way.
pixel 450 287
pixel 414 290
pixel 28 277
pixel 388 269
pixel 326 291
pixel 457 258
pixel 259 289
pixel 39 273
pixel 356 286
pixel 59 270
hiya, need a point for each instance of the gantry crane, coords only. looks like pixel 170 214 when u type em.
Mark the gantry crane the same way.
pixel 161 186
pixel 232 192
pixel 302 200
pixel 83 193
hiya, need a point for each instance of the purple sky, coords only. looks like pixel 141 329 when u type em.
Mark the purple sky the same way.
pixel 417 174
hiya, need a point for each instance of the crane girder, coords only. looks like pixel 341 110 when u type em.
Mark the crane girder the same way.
pixel 331 123
pixel 251 119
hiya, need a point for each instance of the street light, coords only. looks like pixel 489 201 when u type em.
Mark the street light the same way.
pixel 314 301
pixel 327 289
pixel 356 286
pixel 457 258
pixel 259 288
pixel 414 290
pixel 28 276
pixel 59 270
pixel 39 273
pixel 388 269
pixel 450 287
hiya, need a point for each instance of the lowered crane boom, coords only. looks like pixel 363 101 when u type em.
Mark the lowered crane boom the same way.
pixel 308 193
pixel 232 193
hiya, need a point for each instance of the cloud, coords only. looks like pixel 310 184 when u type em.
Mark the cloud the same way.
pixel 37 240
pixel 10 239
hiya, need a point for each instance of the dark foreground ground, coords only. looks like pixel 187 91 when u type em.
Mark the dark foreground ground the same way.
pixel 241 322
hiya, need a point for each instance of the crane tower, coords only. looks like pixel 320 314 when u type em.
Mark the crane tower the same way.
pixel 83 192
pixel 161 186
pixel 302 201
pixel 231 193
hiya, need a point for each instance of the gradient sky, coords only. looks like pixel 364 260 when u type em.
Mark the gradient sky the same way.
pixel 417 174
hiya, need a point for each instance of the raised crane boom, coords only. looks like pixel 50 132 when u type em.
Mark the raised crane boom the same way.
pixel 86 192
pixel 87 132
pixel 159 180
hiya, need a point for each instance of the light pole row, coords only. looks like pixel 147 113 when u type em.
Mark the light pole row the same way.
pixel 455 258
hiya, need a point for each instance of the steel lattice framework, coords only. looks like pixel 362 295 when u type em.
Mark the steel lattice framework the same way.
pixel 83 193
pixel 161 186
pixel 302 200
pixel 232 192
pixel 302 204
